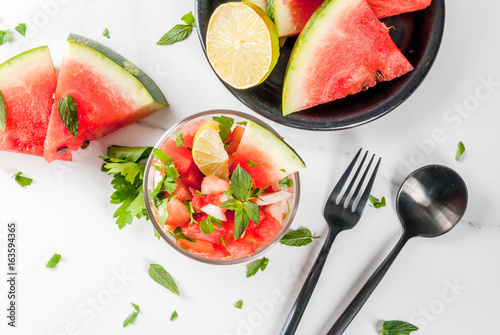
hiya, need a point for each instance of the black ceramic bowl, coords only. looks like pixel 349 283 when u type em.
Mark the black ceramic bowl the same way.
pixel 418 35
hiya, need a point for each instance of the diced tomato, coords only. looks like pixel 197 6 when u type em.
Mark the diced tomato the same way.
pixel 212 184
pixel 192 177
pixel 194 230
pixel 240 248
pixel 197 247
pixel 182 191
pixel 178 215
pixel 181 155
pixel 236 138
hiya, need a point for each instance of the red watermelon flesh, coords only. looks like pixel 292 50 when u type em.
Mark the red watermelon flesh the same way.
pixel 385 8
pixel 27 82
pixel 290 17
pixel 109 91
pixel 343 49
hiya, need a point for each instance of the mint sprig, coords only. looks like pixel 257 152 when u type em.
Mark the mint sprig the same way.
pixel 397 328
pixel 180 31
pixel 259 264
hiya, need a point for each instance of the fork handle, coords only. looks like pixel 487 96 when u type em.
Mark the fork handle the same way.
pixel 359 300
pixel 298 308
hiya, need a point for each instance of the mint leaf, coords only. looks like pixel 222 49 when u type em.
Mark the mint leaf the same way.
pixel 174 316
pixel 53 261
pixel 162 277
pixel 179 140
pixel 188 19
pixel 5 36
pixel 105 33
pixel 3 112
pixel 286 182
pixel 460 151
pixel 239 304
pixel 68 113
pixel 241 183
pixel 131 154
pixel 225 125
pixel 23 181
pixel 376 203
pixel 397 328
pixel 207 226
pixel 298 238
pixel 21 29
pixel 131 318
pixel 254 267
pixel 177 34
pixel 251 163
pixel 243 214
pixel 178 234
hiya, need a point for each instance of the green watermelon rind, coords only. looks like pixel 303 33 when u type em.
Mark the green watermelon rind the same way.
pixel 144 80
pixel 10 65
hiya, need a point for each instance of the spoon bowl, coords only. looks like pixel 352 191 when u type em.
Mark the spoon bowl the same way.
pixel 430 202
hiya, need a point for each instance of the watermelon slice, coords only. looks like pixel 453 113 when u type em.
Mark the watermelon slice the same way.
pixel 261 3
pixel 385 8
pixel 343 49
pixel 275 159
pixel 110 92
pixel 27 83
pixel 290 17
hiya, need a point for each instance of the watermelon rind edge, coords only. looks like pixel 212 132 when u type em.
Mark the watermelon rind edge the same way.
pixel 22 55
pixel 153 89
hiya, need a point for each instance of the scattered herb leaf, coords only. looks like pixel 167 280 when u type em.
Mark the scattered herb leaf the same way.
pixel 5 36
pixel 179 140
pixel 460 150
pixel 298 238
pixel 21 29
pixel 23 181
pixel 105 33
pixel 131 318
pixel 225 125
pixel 179 32
pixel 53 261
pixel 239 304
pixel 162 277
pixel 174 316
pixel 3 112
pixel 285 182
pixel 376 203
pixel 397 328
pixel 252 163
pixel 254 267
pixel 68 112
pixel 188 18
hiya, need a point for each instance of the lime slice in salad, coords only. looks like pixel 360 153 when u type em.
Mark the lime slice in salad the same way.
pixel 209 154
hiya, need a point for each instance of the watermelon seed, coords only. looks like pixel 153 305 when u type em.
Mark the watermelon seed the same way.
pixel 85 145
pixel 62 150
pixel 365 88
pixel 379 76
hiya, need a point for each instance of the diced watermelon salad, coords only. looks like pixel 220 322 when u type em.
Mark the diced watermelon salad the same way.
pixel 219 219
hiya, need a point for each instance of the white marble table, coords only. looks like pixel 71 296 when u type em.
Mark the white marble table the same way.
pixel 446 286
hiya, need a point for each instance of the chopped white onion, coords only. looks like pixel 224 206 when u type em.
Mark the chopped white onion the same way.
pixel 271 198
pixel 214 211
pixel 276 210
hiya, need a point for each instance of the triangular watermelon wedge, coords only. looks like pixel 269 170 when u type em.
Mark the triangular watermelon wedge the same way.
pixel 343 49
pixel 27 83
pixel 290 17
pixel 110 93
pixel 385 8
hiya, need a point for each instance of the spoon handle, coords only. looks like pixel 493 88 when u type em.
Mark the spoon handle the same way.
pixel 293 319
pixel 359 300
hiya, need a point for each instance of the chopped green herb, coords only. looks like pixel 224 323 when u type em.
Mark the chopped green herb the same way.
pixel 222 241
pixel 167 182
pixel 239 304
pixel 23 181
pixel 53 261
pixel 376 203
pixel 157 235
pixel 252 163
pixel 131 318
pixel 285 182
pixel 242 123
pixel 174 316
pixel 105 33
pixel 254 267
pixel 397 328
pixel 298 238
pixel 3 112
pixel 225 125
pixel 179 32
pixel 283 170
pixel 68 113
pixel 21 29
pixel 179 140
pixel 200 194
pixel 5 36
pixel 178 234
pixel 460 150
pixel 162 277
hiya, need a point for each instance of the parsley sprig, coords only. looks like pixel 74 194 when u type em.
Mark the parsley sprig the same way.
pixel 128 172
pixel 170 174
pixel 244 209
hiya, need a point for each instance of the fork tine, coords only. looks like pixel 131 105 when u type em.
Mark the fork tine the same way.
pixel 366 193
pixel 360 184
pixel 336 191
pixel 353 180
